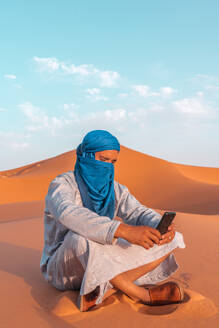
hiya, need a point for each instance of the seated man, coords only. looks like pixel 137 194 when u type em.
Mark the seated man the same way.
pixel 99 238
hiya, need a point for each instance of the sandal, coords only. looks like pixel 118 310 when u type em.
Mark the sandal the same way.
pixel 167 293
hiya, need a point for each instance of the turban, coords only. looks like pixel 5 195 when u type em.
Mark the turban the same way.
pixel 95 178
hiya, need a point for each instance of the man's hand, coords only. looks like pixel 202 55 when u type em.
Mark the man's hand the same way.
pixel 118 219
pixel 168 236
pixel 140 235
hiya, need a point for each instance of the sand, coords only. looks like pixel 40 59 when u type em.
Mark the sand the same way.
pixel 27 300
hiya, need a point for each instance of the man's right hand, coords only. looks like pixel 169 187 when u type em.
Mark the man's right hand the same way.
pixel 140 235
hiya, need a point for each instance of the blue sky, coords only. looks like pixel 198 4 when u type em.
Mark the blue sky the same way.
pixel 147 71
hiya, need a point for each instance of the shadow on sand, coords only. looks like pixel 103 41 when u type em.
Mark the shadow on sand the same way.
pixel 24 263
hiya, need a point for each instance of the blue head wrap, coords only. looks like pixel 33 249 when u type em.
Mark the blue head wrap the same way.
pixel 95 178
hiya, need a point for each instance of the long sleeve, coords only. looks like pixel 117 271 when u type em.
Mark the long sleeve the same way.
pixel 132 211
pixel 62 205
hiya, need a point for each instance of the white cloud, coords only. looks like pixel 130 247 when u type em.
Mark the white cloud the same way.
pixel 47 64
pixel 193 106
pixel 14 140
pixel 10 76
pixel 38 120
pixel 167 91
pixel 98 98
pixel 120 118
pixel 94 94
pixel 70 107
pixel 93 91
pixel 113 120
pixel 116 114
pixel 156 107
pixel 144 91
pixel 83 70
pixel 20 146
pixel 35 116
pixel 138 117
pixel 108 78
pixel 2 109
pixel 53 65
pixel 120 121
pixel 71 111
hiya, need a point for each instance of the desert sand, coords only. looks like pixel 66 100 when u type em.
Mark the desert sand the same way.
pixel 193 192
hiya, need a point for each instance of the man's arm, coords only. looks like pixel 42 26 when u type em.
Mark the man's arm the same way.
pixel 141 221
pixel 61 203
pixel 132 211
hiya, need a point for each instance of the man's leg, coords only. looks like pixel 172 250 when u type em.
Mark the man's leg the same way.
pixel 167 293
pixel 125 280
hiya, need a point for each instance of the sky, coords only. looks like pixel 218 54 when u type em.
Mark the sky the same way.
pixel 146 71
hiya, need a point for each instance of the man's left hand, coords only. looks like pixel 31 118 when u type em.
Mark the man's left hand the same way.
pixel 168 236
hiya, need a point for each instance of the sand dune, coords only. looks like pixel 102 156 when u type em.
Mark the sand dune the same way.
pixel 155 182
pixel 198 173
pixel 27 300
pixel 21 211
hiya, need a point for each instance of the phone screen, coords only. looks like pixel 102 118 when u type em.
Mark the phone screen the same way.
pixel 165 222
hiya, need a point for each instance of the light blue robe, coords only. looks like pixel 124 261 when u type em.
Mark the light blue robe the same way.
pixel 80 251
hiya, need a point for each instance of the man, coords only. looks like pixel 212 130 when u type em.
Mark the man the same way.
pixel 99 238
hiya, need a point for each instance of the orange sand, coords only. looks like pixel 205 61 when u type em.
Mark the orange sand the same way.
pixel 27 300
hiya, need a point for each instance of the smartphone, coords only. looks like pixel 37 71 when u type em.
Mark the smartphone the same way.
pixel 165 221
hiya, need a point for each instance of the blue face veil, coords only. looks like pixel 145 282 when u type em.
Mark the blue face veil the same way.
pixel 95 178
